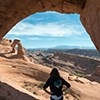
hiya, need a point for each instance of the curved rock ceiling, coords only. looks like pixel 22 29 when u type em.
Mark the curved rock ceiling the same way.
pixel 13 11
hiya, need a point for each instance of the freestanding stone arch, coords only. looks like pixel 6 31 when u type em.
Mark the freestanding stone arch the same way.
pixel 20 51
pixel 12 11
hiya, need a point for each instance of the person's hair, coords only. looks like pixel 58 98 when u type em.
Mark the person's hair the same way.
pixel 54 73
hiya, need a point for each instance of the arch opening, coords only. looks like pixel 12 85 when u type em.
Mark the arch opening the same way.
pixel 13 11
pixel 50 29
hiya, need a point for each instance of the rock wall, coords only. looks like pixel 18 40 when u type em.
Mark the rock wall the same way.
pixel 90 18
pixel 13 11
pixel 79 63
pixel 7 92
pixel 97 71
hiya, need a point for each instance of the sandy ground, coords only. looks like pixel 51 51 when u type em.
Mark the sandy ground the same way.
pixel 29 78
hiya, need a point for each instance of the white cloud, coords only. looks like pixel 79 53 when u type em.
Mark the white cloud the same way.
pixel 51 38
pixel 34 38
pixel 49 29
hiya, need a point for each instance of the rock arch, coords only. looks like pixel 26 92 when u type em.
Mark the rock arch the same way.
pixel 20 51
pixel 12 11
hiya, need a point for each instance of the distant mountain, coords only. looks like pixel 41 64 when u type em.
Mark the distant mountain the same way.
pixel 59 47
pixel 72 47
pixel 86 52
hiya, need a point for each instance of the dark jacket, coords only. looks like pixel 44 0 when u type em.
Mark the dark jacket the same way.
pixel 56 84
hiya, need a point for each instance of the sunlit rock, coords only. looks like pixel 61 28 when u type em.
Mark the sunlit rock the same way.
pixel 13 11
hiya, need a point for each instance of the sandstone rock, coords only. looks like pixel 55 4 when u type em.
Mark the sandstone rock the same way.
pixel 5 41
pixel 5 45
pixel 97 70
pixel 90 17
pixel 21 51
pixel 7 92
pixel 72 78
pixel 75 78
pixel 8 50
pixel 4 98
pixel 12 11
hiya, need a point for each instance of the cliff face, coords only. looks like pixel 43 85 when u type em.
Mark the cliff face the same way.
pixel 90 18
pixel 12 11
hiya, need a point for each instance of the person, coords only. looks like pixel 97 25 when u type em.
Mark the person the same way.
pixel 55 82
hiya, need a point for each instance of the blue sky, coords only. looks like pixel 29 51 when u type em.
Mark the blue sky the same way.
pixel 50 29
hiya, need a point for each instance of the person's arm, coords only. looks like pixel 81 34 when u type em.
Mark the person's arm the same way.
pixel 65 88
pixel 66 84
pixel 46 85
pixel 46 91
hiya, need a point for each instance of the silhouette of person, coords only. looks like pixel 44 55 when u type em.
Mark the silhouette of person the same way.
pixel 55 82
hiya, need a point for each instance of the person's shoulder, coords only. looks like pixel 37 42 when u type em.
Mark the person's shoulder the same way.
pixel 50 79
pixel 62 79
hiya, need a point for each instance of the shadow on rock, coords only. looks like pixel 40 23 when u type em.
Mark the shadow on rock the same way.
pixel 7 92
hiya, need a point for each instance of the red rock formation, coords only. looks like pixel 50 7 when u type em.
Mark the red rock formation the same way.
pixel 90 17
pixel 7 92
pixel 97 71
pixel 21 51
pixel 12 11
pixel 5 45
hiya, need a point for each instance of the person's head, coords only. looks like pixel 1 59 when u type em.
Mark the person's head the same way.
pixel 54 73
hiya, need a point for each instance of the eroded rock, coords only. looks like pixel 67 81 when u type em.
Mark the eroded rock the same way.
pixel 21 51
pixel 97 70
pixel 12 11
pixel 90 17
pixel 8 92
pixel 5 45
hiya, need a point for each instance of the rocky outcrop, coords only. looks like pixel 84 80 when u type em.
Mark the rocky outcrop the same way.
pixel 97 71
pixel 79 64
pixel 7 92
pixel 12 11
pixel 21 51
pixel 8 49
pixel 90 17
pixel 5 45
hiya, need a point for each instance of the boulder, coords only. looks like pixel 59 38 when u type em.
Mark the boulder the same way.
pixel 97 71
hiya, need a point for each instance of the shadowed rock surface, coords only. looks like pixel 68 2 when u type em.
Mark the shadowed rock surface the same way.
pixel 13 11
pixel 7 92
